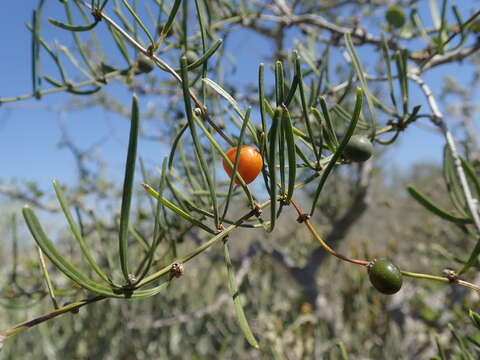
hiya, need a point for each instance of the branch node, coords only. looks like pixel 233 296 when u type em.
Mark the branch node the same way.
pixel 177 270
pixel 451 275
pixel 257 210
pixel 303 217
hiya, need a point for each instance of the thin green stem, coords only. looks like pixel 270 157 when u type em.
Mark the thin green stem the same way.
pixel 62 88
pixel 43 266
pixel 72 307
pixel 442 279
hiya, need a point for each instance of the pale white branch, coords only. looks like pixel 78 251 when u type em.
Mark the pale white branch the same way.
pixel 439 121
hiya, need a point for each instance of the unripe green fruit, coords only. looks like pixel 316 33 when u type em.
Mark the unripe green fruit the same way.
pixel 395 17
pixel 145 65
pixel 385 276
pixel 358 149
pixel 191 56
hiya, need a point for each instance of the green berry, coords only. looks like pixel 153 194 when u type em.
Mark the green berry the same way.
pixel 358 149
pixel 191 56
pixel 395 17
pixel 385 276
pixel 145 65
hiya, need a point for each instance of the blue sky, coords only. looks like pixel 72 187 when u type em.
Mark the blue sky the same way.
pixel 30 132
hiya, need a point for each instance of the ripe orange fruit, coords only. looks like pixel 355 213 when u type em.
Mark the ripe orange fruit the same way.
pixel 249 165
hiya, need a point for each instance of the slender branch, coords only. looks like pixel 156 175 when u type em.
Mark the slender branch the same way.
pixel 217 305
pixel 443 279
pixel 43 266
pixel 13 193
pixel 358 33
pixel 66 87
pixel 344 224
pixel 304 219
pixel 426 63
pixel 439 121
pixel 452 56
pixel 72 307
pixel 163 65
pixel 144 51
pixel 362 36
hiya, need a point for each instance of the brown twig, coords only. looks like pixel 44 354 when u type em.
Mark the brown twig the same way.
pixel 303 218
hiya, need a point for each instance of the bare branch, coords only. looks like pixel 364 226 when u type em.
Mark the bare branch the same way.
pixel 14 193
pixel 439 121
pixel 453 56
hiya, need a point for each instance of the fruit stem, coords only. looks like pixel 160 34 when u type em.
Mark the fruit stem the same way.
pixel 317 237
pixel 442 279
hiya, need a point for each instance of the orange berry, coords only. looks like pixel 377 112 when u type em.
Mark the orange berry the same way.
pixel 249 165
